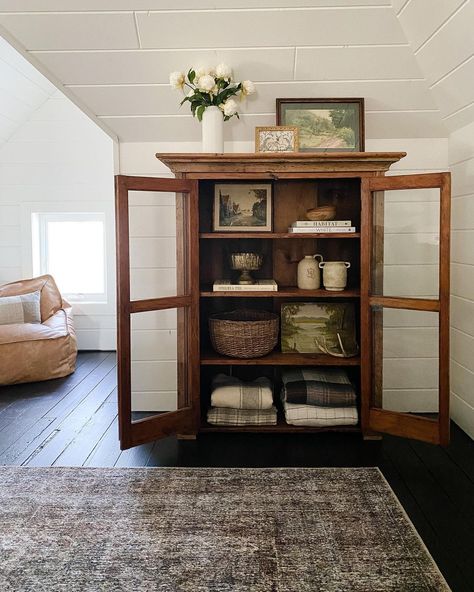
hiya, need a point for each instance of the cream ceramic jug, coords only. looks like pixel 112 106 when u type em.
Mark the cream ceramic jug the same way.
pixel 334 274
pixel 308 272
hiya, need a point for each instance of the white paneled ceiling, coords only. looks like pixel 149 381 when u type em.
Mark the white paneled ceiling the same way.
pixel 114 57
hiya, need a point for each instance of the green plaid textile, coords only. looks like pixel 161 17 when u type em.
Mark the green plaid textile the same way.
pixel 242 417
pixel 329 388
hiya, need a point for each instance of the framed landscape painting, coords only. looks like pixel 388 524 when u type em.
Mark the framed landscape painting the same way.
pixel 242 207
pixel 325 125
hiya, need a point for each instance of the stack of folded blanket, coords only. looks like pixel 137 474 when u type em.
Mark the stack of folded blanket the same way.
pixel 238 403
pixel 318 397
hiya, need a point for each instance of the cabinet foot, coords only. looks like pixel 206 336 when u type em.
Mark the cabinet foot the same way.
pixel 186 436
pixel 371 436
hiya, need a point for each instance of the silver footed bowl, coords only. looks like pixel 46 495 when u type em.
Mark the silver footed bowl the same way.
pixel 246 262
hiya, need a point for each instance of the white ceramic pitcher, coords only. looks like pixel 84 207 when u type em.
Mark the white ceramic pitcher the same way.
pixel 334 274
pixel 308 272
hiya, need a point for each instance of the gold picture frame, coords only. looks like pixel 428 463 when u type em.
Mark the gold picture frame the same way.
pixel 277 138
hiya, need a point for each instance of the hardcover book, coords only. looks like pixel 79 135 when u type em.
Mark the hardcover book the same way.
pixel 320 223
pixel 259 286
pixel 328 229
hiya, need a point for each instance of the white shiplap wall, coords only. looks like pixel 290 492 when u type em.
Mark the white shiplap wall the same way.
pixel 55 158
pixel 461 157
pixel 409 353
pixel 440 34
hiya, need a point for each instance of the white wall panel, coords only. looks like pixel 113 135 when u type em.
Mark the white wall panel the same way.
pixel 421 17
pixel 282 28
pixel 72 31
pixel 435 59
pixel 355 63
pixel 153 67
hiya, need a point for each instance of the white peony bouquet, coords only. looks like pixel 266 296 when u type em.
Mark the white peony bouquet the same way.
pixel 211 87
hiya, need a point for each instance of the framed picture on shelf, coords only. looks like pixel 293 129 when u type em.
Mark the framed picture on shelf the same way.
pixel 276 138
pixel 325 125
pixel 242 207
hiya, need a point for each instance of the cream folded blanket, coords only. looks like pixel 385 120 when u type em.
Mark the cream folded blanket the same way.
pixel 242 417
pixel 229 391
pixel 310 415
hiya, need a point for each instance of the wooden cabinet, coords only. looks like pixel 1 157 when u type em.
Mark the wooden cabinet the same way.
pixel 399 282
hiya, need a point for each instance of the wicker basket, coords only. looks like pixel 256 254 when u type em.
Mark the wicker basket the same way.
pixel 244 333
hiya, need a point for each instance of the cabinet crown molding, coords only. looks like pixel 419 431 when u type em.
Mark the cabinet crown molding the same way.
pixel 287 162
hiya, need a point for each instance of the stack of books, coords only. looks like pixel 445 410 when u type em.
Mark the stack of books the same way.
pixel 259 286
pixel 327 226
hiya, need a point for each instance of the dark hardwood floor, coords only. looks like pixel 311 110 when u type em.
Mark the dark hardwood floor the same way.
pixel 73 422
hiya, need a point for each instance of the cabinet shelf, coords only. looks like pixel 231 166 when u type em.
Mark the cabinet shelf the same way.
pixel 281 427
pixel 283 292
pixel 278 235
pixel 278 358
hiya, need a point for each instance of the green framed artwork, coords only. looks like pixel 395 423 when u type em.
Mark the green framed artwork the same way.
pixel 325 125
pixel 319 328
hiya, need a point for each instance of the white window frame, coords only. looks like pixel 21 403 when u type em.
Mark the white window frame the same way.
pixel 43 212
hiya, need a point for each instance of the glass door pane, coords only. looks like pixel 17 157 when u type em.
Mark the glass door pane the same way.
pixel 406 361
pixel 405 257
pixel 157 254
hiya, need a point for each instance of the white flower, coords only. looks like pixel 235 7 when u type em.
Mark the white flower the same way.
pixel 229 107
pixel 201 72
pixel 248 87
pixel 205 83
pixel 215 90
pixel 177 80
pixel 224 71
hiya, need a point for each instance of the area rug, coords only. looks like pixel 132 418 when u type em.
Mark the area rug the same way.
pixel 220 530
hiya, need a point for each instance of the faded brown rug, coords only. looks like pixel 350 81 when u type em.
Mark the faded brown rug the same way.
pixel 193 530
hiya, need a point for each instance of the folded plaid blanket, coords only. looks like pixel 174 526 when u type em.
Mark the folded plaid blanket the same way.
pixel 325 388
pixel 337 375
pixel 229 391
pixel 310 415
pixel 241 417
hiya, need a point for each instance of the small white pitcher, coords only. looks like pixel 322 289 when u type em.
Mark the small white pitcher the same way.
pixel 334 274
pixel 309 276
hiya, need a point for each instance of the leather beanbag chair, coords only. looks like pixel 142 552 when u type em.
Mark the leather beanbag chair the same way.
pixel 38 351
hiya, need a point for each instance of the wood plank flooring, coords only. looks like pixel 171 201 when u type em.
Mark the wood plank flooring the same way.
pixel 73 422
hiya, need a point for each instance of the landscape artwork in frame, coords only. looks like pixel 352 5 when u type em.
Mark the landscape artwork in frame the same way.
pixel 242 207
pixel 319 328
pixel 325 125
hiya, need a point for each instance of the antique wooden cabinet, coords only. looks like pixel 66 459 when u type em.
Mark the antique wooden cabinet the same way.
pixel 399 280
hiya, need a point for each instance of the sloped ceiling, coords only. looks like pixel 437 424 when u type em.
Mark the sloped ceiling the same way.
pixel 116 61
pixel 22 91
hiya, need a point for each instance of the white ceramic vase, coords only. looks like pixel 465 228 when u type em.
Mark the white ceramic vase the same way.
pixel 334 274
pixel 308 272
pixel 212 130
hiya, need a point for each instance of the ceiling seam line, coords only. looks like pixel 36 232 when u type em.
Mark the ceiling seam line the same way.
pixel 261 82
pixel 458 111
pixel 407 2
pixel 452 71
pixel 259 114
pixel 224 48
pixel 200 10
pixel 137 30
pixel 440 27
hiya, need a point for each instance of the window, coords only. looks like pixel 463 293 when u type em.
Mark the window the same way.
pixel 71 246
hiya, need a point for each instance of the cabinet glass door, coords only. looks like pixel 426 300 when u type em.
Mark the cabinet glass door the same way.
pixel 157 299
pixel 405 306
